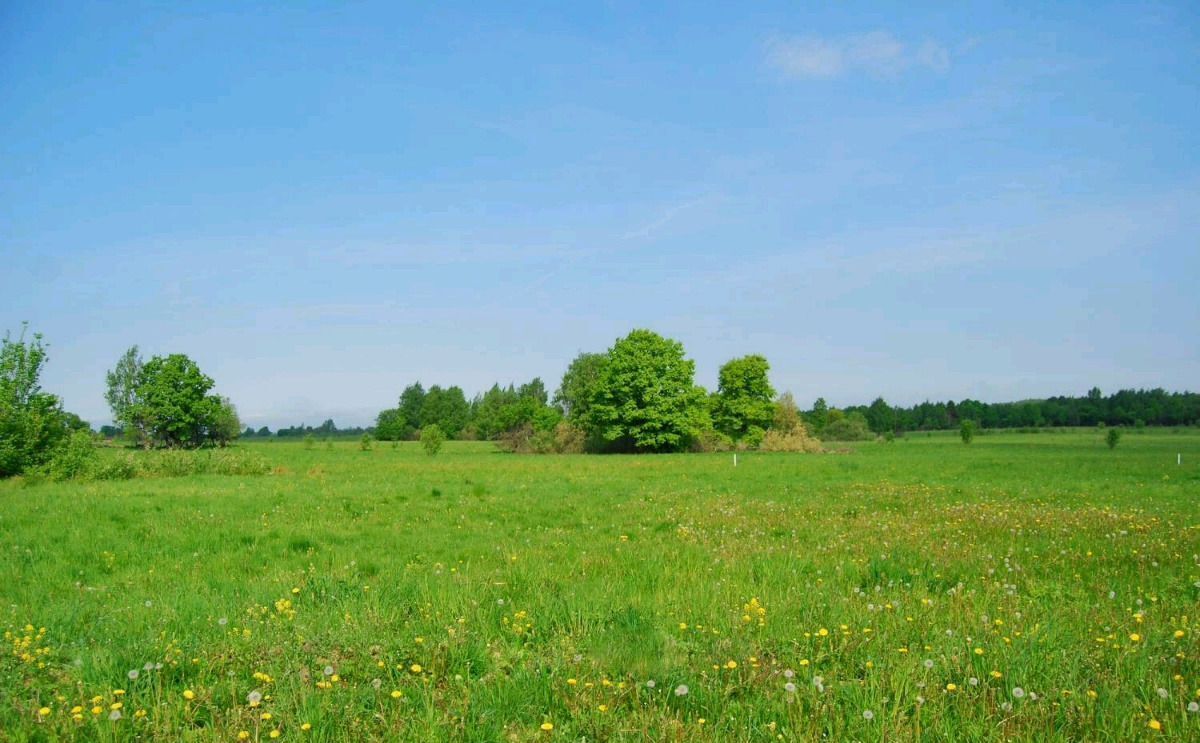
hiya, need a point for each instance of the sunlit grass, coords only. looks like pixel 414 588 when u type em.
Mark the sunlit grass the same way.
pixel 1023 587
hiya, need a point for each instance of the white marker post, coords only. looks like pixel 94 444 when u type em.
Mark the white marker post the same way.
pixel 735 459
pixel 1179 459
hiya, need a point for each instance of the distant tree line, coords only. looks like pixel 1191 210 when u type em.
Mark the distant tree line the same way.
pixel 326 430
pixel 639 395
pixel 1155 407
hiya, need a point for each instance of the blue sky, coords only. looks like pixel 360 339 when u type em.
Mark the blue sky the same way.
pixel 321 203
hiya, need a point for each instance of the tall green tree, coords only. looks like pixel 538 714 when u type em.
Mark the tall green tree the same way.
pixel 32 423
pixel 173 403
pixel 880 416
pixel 646 398
pixel 448 408
pixel 744 404
pixel 819 416
pixel 412 400
pixel 121 393
pixel 578 387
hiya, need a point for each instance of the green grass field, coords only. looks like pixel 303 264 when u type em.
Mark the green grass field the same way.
pixel 1025 587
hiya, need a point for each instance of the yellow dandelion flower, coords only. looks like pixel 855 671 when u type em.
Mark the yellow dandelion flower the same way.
pixel 43 711
pixel 732 664
pixel 951 687
pixel 189 695
pixel 571 682
pixel 415 668
pixel 603 708
pixel 275 733
pixel 547 726
pixel 1135 637
pixel 396 693
pixel 1154 724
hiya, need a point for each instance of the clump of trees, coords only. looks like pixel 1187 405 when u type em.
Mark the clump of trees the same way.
pixel 33 425
pixel 166 402
pixel 639 395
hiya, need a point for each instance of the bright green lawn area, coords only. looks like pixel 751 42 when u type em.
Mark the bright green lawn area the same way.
pixel 1025 587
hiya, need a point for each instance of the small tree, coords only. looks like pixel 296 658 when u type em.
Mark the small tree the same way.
pixel 432 439
pixel 743 402
pixel 122 394
pixel 1113 437
pixel 31 421
pixel 365 442
pixel 966 430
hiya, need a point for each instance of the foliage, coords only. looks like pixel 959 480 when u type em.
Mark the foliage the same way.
pixel 364 443
pixel 224 427
pixel 32 423
pixel 743 404
pixel 432 438
pixel 880 416
pixel 646 399
pixel 788 433
pixel 563 438
pixel 447 408
pixel 1113 437
pixel 75 459
pixel 578 386
pixel 851 427
pixel 121 394
pixel 966 431
pixel 172 406
pixel 390 425
pixel 819 415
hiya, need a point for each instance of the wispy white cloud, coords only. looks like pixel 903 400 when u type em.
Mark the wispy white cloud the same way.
pixel 876 53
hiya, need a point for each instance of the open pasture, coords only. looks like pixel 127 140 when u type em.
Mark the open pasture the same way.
pixel 1025 587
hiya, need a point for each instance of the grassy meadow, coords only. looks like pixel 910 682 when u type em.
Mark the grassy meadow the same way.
pixel 1025 587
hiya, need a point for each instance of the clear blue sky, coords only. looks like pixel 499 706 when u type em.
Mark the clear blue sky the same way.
pixel 322 203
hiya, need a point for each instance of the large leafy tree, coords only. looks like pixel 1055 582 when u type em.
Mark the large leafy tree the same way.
pixel 744 404
pixel 32 423
pixel 645 398
pixel 412 400
pixel 173 406
pixel 578 387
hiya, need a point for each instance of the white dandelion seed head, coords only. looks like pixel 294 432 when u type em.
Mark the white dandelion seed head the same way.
pixel 681 690
pixel 1006 706
pixel 254 697
pixel 222 621
pixel 1032 696
pixel 650 684
pixel 328 670
pixel 920 699
pixel 1018 692
pixel 148 667
pixel 149 603
pixel 789 687
pixel 158 666
pixel 868 714
pixel 1163 693
pixel 114 715
pixel 1193 706
pixel 376 683
pixel 789 673
pixel 973 681
pixel 927 663
pixel 132 675
pixel 817 680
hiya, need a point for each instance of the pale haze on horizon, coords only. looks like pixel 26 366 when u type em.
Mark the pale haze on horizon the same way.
pixel 323 203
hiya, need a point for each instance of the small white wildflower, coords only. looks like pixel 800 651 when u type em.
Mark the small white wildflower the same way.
pixel 681 690
pixel 650 684
pixel 1032 696
pixel 920 699
pixel 376 683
